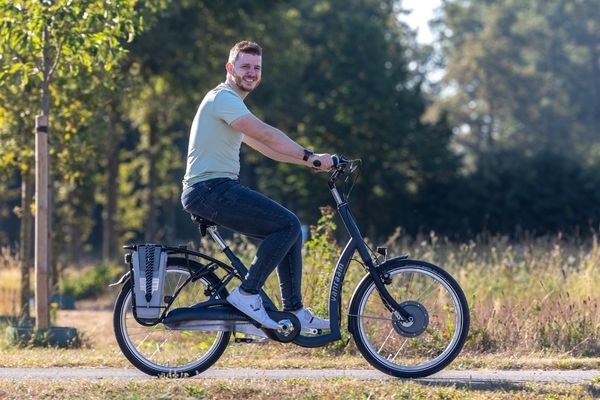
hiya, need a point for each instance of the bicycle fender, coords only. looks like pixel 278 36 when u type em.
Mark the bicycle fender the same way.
pixel 123 278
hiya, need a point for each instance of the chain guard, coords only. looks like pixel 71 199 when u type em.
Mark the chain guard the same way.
pixel 283 337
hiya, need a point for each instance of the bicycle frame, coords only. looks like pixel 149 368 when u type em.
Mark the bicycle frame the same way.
pixel 355 243
pixel 370 324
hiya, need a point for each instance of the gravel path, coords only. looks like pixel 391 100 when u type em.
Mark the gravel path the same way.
pixel 466 377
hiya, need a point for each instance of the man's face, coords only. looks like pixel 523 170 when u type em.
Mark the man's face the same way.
pixel 246 71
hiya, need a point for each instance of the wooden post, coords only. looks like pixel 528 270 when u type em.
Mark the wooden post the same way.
pixel 41 222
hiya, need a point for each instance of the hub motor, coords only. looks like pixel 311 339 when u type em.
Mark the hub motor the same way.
pixel 416 323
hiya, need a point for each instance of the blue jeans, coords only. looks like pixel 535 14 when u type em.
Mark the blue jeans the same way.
pixel 234 206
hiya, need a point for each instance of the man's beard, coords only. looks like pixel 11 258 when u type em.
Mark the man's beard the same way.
pixel 240 83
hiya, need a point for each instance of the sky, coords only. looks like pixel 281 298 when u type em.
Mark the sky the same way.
pixel 421 12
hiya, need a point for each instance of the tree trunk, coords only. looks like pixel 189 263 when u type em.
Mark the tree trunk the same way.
pixel 26 237
pixel 109 231
pixel 43 202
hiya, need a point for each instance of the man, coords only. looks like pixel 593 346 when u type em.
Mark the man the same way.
pixel 213 191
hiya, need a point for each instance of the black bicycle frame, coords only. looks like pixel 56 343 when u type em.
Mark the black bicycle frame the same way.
pixel 356 243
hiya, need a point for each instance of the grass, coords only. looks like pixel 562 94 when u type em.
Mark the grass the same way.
pixel 532 295
pixel 534 305
pixel 99 349
pixel 289 389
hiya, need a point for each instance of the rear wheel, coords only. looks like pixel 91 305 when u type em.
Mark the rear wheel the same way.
pixel 159 351
pixel 430 339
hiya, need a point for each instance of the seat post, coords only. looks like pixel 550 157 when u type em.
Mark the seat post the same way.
pixel 214 233
pixel 235 261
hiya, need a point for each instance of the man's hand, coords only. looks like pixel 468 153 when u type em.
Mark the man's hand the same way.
pixel 324 159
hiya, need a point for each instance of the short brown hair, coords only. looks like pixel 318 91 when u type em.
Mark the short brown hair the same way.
pixel 244 47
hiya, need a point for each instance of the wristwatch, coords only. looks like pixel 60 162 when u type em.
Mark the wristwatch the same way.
pixel 307 154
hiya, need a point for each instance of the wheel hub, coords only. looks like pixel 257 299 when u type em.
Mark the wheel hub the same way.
pixel 415 324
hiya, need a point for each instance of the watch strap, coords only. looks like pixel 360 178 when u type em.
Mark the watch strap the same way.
pixel 307 154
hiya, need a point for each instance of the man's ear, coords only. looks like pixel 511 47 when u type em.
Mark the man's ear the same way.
pixel 229 67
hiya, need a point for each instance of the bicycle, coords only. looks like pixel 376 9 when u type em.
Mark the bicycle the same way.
pixel 408 318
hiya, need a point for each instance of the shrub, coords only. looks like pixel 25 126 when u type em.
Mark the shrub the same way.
pixel 91 282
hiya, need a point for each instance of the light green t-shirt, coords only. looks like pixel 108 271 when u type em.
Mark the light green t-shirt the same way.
pixel 214 148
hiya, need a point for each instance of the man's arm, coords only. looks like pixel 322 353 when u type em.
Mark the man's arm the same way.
pixel 275 144
pixel 269 136
pixel 270 153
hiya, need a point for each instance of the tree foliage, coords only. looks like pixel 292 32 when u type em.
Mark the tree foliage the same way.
pixel 524 73
pixel 520 92
pixel 62 55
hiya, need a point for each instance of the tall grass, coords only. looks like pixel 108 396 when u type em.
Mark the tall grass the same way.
pixel 526 295
pixel 531 295
pixel 536 294
pixel 10 281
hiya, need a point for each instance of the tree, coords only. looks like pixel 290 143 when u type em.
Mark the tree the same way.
pixel 521 90
pixel 16 160
pixel 523 73
pixel 173 70
pixel 42 41
pixel 339 80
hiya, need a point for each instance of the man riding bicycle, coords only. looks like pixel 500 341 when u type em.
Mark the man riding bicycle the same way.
pixel 212 190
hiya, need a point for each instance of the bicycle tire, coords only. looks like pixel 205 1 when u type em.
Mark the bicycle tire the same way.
pixel 439 327
pixel 158 351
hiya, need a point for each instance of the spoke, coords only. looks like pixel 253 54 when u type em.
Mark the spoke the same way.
pixel 137 346
pixel 158 349
pixel 173 288
pixel 399 350
pixel 370 317
pixel 407 284
pixel 385 341
pixel 427 292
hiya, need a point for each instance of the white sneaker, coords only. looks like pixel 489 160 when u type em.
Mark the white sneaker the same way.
pixel 252 306
pixel 308 320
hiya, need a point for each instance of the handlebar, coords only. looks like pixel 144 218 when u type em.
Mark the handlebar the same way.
pixel 344 164
pixel 341 164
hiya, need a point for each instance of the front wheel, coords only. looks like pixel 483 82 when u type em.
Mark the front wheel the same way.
pixel 159 351
pixel 430 339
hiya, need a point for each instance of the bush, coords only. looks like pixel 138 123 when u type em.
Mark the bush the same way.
pixel 90 283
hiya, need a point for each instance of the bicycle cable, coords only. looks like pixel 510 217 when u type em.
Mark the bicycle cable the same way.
pixel 351 180
pixel 361 263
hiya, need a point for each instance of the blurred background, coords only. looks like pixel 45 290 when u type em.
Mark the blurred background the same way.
pixel 472 117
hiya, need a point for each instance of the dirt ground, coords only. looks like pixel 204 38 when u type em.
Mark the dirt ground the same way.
pixel 93 320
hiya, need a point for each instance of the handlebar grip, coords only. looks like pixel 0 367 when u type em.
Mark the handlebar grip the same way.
pixel 336 160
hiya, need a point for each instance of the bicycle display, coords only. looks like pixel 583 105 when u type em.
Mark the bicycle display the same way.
pixel 408 318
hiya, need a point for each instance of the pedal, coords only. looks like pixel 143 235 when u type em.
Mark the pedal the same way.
pixel 285 327
pixel 244 340
pixel 248 340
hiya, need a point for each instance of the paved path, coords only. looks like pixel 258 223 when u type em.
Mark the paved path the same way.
pixel 467 377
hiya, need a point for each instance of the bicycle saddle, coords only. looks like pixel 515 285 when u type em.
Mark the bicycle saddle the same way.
pixel 202 221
